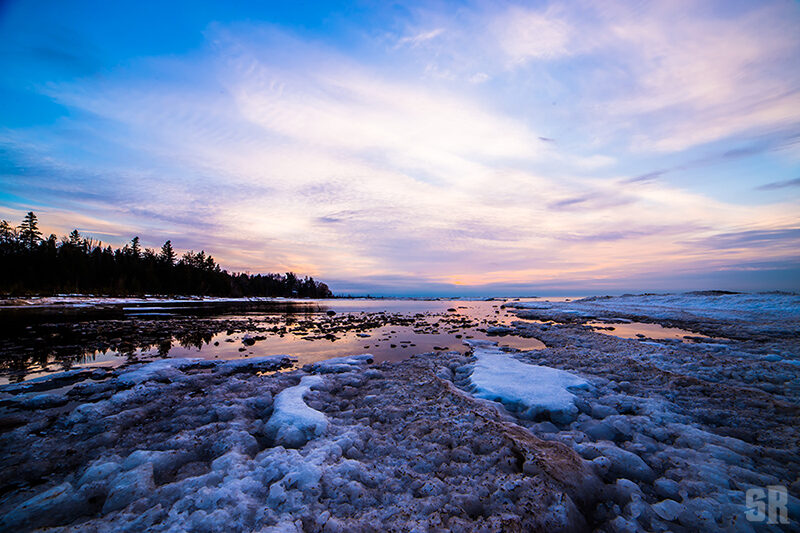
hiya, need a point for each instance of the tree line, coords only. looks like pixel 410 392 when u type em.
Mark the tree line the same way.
pixel 33 264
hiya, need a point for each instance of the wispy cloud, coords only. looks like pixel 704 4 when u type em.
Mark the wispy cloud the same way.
pixel 779 185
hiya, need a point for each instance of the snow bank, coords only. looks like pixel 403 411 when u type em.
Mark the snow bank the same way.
pixel 293 423
pixel 530 389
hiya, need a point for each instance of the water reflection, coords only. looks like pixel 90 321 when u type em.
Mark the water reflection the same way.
pixel 391 330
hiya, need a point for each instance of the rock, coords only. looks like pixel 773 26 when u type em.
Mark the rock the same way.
pixel 130 486
pixel 601 411
pixel 625 464
pixel 599 430
pixel 499 330
pixel 48 508
pixel 668 510
pixel 667 488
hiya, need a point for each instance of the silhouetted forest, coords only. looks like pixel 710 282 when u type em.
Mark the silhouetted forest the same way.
pixel 31 264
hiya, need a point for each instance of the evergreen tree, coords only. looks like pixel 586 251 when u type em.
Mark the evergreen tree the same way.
pixel 136 249
pixel 77 264
pixel 75 238
pixel 29 233
pixel 168 255
pixel 7 233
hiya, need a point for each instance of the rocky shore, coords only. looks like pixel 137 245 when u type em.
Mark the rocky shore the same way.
pixel 595 432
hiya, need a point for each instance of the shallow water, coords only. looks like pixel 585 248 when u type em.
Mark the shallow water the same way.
pixel 634 330
pixel 389 342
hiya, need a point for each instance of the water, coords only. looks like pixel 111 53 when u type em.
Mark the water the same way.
pixel 634 330
pixel 390 330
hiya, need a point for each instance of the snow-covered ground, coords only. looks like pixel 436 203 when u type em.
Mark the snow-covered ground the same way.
pixel 595 432
pixel 715 312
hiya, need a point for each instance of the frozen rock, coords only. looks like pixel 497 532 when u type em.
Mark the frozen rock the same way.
pixel 160 370
pixel 42 401
pixel 338 365
pixel 49 507
pixel 624 464
pixel 667 488
pixel 255 364
pixel 668 510
pixel 601 411
pixel 99 471
pixel 293 423
pixel 130 486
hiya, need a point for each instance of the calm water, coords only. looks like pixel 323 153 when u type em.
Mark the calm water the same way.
pixel 357 326
pixel 439 325
pixel 634 330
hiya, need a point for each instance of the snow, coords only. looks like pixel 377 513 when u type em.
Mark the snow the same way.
pixel 339 364
pixel 531 389
pixel 293 423
pixel 162 369
pixel 259 364
pixel 768 306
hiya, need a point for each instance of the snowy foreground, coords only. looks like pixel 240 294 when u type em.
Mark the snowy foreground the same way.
pixel 593 433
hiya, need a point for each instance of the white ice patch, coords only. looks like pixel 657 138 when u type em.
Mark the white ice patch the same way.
pixel 162 369
pixel 338 365
pixel 532 390
pixel 293 423
pixel 253 364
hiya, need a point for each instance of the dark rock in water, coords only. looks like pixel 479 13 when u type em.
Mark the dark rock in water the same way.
pixel 330 313
pixel 499 330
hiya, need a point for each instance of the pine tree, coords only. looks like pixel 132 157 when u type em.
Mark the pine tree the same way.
pixel 136 249
pixel 75 238
pixel 7 233
pixel 167 253
pixel 29 234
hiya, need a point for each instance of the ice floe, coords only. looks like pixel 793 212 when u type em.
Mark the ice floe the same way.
pixel 532 390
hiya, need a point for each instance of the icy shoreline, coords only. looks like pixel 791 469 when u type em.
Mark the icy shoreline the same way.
pixel 593 432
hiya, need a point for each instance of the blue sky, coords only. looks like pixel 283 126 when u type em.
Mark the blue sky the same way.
pixel 413 148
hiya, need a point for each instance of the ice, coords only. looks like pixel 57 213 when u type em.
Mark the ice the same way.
pixel 130 486
pixel 339 364
pixel 530 389
pixel 58 502
pixel 255 364
pixel 772 307
pixel 162 369
pixel 293 423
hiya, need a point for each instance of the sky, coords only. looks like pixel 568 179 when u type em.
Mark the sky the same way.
pixel 420 148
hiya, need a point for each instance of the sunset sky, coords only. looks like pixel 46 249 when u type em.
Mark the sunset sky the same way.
pixel 417 148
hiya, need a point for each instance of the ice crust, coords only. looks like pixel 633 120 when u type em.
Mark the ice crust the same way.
pixel 293 423
pixel 196 452
pixel 531 390
pixel 338 365
pixel 754 311
pixel 665 437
